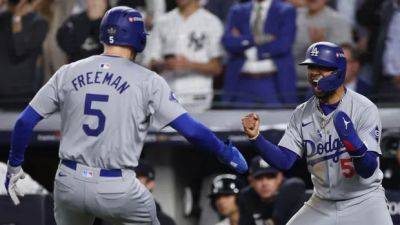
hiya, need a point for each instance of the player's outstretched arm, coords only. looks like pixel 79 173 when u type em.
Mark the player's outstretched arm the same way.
pixel 277 156
pixel 199 135
pixel 365 162
pixel 23 128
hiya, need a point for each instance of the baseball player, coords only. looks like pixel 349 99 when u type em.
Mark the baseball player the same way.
pixel 225 189
pixel 107 103
pixel 185 47
pixel 338 132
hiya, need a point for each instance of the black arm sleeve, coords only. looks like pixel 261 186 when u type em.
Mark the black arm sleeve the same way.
pixel 30 39
pixel 245 215
pixel 72 34
pixel 290 199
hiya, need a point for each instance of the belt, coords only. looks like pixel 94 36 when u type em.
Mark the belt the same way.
pixel 103 172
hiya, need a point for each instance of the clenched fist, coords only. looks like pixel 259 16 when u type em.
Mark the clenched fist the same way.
pixel 251 125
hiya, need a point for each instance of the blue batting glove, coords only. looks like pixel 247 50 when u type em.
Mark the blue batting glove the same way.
pixel 231 155
pixel 348 135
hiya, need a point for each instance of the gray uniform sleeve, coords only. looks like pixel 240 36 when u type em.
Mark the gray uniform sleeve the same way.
pixel 292 138
pixel 370 128
pixel 163 104
pixel 47 100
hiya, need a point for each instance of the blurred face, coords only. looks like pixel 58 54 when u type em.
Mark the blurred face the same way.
pixel 315 73
pixel 353 66
pixel 267 185
pixel 398 156
pixel 226 205
pixel 97 4
pixel 315 5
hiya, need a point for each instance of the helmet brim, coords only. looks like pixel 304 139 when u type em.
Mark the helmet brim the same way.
pixel 319 63
pixel 307 62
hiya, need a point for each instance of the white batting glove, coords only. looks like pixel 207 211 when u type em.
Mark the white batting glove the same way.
pixel 12 177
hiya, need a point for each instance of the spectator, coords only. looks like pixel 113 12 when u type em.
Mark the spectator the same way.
pixel 368 16
pixel 146 175
pixel 185 48
pixel 21 37
pixel 391 169
pixel 220 8
pixel 55 12
pixel 347 9
pixel 224 191
pixel 387 52
pixel 79 35
pixel 318 22
pixel 354 73
pixel 150 9
pixel 270 199
pixel 260 69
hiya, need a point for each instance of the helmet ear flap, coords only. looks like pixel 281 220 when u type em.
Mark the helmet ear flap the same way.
pixel 333 81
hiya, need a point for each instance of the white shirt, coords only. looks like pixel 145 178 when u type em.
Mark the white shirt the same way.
pixel 252 64
pixel 265 5
pixel 255 66
pixel 391 55
pixel 224 222
pixel 198 39
pixel 347 8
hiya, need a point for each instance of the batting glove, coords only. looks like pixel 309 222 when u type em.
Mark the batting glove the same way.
pixel 12 177
pixel 232 157
pixel 348 135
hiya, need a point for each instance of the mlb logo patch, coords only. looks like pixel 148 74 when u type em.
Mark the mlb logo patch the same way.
pixel 87 173
pixel 172 97
pixel 375 133
pixel 105 66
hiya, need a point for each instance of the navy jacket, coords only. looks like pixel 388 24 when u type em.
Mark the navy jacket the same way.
pixel 280 25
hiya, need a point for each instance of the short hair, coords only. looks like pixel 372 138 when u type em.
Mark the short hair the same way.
pixel 355 53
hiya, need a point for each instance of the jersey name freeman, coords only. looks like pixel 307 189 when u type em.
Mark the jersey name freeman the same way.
pixel 99 77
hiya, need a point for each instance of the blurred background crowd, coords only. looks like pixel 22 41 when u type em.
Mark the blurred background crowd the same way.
pixel 213 53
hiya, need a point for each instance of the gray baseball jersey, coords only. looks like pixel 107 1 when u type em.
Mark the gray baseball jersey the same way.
pixel 311 134
pixel 107 105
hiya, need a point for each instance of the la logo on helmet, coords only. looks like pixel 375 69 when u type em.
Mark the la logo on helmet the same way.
pixel 314 52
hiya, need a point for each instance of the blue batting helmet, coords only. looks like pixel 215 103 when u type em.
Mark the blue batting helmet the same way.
pixel 123 26
pixel 327 54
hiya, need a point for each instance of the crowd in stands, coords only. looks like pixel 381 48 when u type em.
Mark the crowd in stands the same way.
pixel 221 53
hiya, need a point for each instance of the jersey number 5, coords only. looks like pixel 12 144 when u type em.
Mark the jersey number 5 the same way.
pixel 347 168
pixel 94 112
